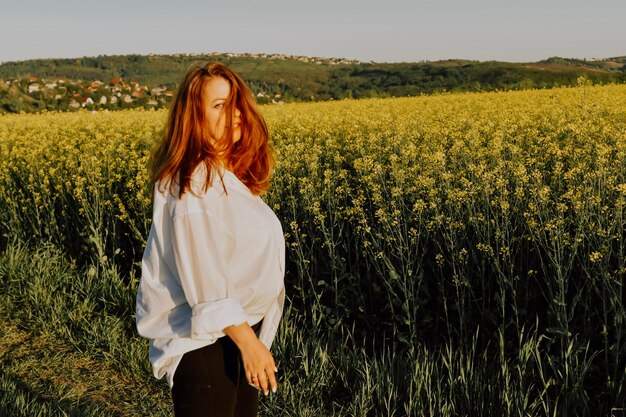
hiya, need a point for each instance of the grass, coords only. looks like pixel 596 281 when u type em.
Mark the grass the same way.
pixel 64 353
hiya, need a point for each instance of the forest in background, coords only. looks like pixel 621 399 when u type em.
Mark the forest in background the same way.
pixel 148 81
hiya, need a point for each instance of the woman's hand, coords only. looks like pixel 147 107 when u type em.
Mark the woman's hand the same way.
pixel 257 360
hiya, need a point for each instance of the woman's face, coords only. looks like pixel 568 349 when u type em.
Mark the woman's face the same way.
pixel 216 92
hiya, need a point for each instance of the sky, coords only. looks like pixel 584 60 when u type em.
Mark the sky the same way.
pixel 380 31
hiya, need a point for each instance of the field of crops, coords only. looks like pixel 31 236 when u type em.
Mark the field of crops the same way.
pixel 448 255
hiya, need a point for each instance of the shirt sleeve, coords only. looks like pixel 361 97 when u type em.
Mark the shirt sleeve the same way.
pixel 198 244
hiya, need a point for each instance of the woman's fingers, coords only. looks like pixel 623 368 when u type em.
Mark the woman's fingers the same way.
pixel 272 379
pixel 260 367
pixel 265 381
pixel 253 379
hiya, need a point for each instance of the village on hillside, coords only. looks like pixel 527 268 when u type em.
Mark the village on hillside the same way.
pixel 66 94
pixel 301 58
pixel 274 79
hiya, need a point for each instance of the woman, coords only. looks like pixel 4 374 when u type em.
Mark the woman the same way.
pixel 211 292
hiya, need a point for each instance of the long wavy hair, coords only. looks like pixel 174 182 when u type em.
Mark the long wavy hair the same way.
pixel 186 139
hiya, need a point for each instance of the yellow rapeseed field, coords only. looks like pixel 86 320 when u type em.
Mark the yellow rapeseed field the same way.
pixel 418 218
pixel 382 165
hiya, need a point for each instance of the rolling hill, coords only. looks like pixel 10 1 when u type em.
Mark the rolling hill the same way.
pixel 122 81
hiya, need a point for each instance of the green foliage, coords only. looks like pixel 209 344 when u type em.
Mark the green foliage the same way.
pixel 314 79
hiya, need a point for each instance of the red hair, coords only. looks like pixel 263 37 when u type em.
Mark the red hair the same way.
pixel 185 143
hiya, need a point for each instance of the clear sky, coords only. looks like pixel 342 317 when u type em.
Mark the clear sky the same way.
pixel 382 30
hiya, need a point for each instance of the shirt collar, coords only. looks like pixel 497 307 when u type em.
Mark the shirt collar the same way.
pixel 231 182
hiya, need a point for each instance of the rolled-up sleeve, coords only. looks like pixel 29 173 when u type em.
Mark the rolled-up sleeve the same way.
pixel 198 244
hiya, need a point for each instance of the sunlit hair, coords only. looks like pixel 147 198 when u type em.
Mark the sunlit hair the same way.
pixel 186 140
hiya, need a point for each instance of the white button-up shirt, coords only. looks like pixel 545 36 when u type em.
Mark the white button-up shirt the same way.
pixel 210 262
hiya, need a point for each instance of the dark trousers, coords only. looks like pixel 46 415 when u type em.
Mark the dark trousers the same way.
pixel 211 382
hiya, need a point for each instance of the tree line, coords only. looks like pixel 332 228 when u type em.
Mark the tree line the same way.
pixel 279 78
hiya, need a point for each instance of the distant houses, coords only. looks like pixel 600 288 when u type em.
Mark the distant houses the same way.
pixel 32 93
pixel 282 57
pixel 66 94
